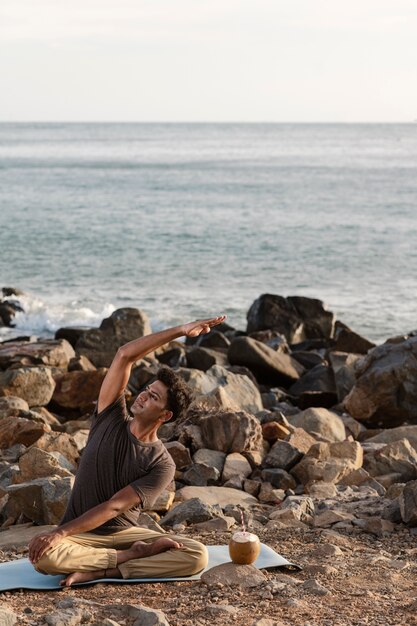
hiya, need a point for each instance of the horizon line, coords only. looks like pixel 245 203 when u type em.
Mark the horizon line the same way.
pixel 266 122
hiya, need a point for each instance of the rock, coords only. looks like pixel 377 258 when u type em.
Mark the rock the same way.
pixel 37 463
pixel 301 440
pixel 146 521
pixel 346 340
pixel 308 359
pixel 180 454
pixel 315 588
pixel 236 465
pixel 343 365
pixel 12 454
pixel 392 511
pixel 59 442
pixel 329 462
pixel 218 387
pixel 214 339
pixel 42 500
pixel 201 475
pixel 163 502
pixel 17 537
pixel 329 517
pixel 302 507
pixel 145 616
pixel 315 388
pixel 204 358
pixel 327 550
pixel 269 494
pixel 218 524
pixel 100 345
pixel 7 616
pixel 271 431
pixel 237 576
pixel 15 430
pixel 375 525
pixel 75 390
pixel 297 318
pixel 66 617
pixel 282 455
pixel 190 512
pixel 211 458
pixel 389 435
pixel 221 610
pixel 49 352
pixel 80 363
pixel 361 477
pixel 408 503
pixel 12 405
pixel 386 387
pixel 398 457
pixel 33 384
pixel 252 486
pixel 322 490
pixel 269 367
pixel 217 495
pixel 229 431
pixel 320 422
pixel 352 426
pixel 279 478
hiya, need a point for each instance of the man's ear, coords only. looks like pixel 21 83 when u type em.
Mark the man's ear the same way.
pixel 166 415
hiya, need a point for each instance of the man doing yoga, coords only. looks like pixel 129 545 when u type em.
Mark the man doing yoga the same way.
pixel 123 468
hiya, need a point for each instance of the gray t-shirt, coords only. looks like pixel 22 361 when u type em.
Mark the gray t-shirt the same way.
pixel 112 459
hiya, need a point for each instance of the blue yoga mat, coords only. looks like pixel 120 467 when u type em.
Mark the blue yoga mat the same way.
pixel 21 574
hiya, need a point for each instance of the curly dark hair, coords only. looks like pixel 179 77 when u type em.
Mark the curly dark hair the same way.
pixel 179 394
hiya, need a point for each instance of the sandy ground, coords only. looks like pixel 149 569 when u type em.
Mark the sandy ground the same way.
pixel 373 582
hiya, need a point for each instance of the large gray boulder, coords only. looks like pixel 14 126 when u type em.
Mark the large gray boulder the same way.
pixel 398 457
pixel 269 367
pixel 52 352
pixel 320 423
pixel 78 389
pixel 408 503
pixel 386 387
pixel 36 463
pixel 190 512
pixel 12 405
pixel 218 387
pixel 329 462
pixel 230 431
pixel 101 344
pixel 389 435
pixel 296 317
pixel 343 365
pixel 15 430
pixel 33 384
pixel 42 500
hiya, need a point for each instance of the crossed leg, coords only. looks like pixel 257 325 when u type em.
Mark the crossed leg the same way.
pixel 132 553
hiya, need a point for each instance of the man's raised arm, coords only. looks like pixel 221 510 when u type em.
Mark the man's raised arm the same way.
pixel 118 375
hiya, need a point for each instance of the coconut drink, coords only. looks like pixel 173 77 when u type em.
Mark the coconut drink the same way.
pixel 244 547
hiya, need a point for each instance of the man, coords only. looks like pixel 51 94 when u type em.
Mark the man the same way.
pixel 123 468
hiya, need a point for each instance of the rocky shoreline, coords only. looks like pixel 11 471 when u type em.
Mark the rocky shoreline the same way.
pixel 300 422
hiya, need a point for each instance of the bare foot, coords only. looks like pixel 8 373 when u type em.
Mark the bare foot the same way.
pixel 80 577
pixel 140 549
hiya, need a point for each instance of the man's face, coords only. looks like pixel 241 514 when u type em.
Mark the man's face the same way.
pixel 151 403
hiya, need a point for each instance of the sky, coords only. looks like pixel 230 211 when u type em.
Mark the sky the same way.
pixel 212 60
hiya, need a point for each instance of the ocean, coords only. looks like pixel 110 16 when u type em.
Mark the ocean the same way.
pixel 192 220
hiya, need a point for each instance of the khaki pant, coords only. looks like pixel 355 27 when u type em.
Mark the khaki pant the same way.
pixel 88 552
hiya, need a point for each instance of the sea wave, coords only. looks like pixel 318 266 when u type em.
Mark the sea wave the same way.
pixel 44 318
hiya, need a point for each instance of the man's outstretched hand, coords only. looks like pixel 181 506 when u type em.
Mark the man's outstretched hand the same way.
pixel 202 327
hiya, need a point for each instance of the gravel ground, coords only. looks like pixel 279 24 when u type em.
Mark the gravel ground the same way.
pixel 371 581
